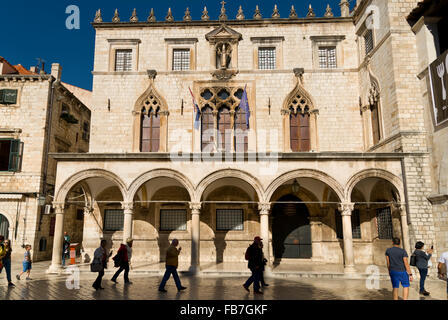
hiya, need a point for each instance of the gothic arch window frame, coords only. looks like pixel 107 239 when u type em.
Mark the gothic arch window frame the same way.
pixel 150 100
pixel 299 101
pixel 374 100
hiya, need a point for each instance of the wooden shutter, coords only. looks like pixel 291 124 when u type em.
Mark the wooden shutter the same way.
pixel 207 124
pixel 145 144
pixel 223 126
pixel 304 137
pixel 241 138
pixel 294 131
pixel 15 156
pixel 375 124
pixel 155 131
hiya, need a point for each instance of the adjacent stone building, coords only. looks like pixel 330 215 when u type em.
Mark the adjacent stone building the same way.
pixel 328 161
pixel 38 115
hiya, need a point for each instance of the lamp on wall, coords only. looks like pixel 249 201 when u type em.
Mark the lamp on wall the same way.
pixel 295 186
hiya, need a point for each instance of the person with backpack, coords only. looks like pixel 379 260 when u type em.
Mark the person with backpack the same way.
pixel 420 260
pixel 254 256
pixel 122 260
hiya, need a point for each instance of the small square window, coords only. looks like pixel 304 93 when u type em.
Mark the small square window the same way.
pixel 181 59
pixel 327 57
pixel 267 58
pixel 229 220
pixel 368 41
pixel 123 60
pixel 8 96
pixel 113 220
pixel 173 220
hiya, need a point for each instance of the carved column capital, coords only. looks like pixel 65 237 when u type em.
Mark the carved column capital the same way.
pixel 59 207
pixel 165 113
pixel 401 208
pixel 346 208
pixel 128 207
pixel 88 210
pixel 285 112
pixel 264 208
pixel 195 207
pixel 152 74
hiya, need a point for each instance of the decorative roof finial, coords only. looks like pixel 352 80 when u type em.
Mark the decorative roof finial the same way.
pixel 134 17
pixel 187 16
pixel 293 13
pixel 116 17
pixel 152 17
pixel 223 15
pixel 310 13
pixel 328 12
pixel 257 14
pixel 98 17
pixel 169 17
pixel 345 8
pixel 205 16
pixel 240 14
pixel 275 14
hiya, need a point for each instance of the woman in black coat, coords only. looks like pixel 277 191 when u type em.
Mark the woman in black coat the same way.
pixel 422 259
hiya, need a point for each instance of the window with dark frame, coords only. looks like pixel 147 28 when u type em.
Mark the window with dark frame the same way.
pixel 327 57
pixel 207 125
pixel 229 219
pixel 123 60
pixel 8 96
pixel 113 219
pixel 368 40
pixel 267 58
pixel 173 220
pixel 241 131
pixel 384 223
pixel 300 132
pixel 150 131
pixel 224 127
pixel 181 59
pixel 11 154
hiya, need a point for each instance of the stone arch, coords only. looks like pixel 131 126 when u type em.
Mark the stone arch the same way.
pixel 374 173
pixel 305 173
pixel 229 173
pixel 160 173
pixel 10 224
pixel 65 188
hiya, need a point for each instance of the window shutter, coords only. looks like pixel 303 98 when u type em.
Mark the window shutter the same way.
pixel 15 156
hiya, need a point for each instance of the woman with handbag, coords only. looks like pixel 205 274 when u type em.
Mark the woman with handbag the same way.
pixel 99 263
pixel 421 262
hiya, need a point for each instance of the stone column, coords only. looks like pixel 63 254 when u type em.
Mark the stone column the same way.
pixel 314 145
pixel 264 230
pixel 316 234
pixel 56 259
pixel 286 114
pixel 346 213
pixel 128 208
pixel 404 228
pixel 195 236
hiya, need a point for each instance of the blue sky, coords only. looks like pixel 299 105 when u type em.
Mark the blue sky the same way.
pixel 36 29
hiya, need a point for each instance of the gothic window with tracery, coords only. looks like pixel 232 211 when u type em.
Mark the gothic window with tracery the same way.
pixel 150 127
pixel 241 138
pixel 299 124
pixel 207 129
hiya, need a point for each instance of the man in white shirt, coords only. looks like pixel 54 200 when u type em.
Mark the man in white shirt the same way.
pixel 442 268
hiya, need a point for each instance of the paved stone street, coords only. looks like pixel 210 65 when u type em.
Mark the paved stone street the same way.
pixel 47 287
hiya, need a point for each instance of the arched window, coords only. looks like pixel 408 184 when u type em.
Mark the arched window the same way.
pixel 241 138
pixel 224 129
pixel 207 129
pixel 4 226
pixel 150 130
pixel 299 131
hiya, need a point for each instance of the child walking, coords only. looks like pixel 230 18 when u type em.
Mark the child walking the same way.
pixel 26 263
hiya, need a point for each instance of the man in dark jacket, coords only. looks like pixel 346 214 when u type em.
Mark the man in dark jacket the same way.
pixel 254 255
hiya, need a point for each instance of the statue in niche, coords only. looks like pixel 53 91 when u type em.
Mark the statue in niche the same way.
pixel 223 55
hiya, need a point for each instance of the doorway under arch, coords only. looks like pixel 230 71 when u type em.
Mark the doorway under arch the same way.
pixel 4 226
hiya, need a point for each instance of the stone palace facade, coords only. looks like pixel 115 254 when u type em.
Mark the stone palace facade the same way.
pixel 329 164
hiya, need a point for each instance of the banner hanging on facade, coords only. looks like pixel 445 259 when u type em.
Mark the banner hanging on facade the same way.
pixel 438 72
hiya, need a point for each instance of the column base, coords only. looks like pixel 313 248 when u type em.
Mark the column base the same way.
pixel 194 270
pixel 350 269
pixel 54 269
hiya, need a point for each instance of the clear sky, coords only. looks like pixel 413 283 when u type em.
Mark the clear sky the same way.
pixel 37 29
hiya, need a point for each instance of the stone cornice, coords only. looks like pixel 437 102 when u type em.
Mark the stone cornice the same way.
pixel 437 199
pixel 394 137
pixel 21 77
pixel 323 156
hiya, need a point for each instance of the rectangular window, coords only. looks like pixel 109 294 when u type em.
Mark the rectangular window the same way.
pixel 266 59
pixel 8 96
pixel 181 59
pixel 229 220
pixel 327 57
pixel 123 60
pixel 173 220
pixel 368 40
pixel 384 222
pixel 113 220
pixel 52 226
pixel 11 152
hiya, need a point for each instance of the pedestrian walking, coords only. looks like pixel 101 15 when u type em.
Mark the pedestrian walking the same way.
pixel 123 260
pixel 26 263
pixel 6 259
pixel 99 263
pixel 421 262
pixel 442 269
pixel 265 261
pixel 254 254
pixel 172 262
pixel 65 248
pixel 399 269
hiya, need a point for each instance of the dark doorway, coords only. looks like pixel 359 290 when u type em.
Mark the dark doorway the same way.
pixel 4 226
pixel 291 230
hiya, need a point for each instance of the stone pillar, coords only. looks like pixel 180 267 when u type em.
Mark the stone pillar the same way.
pixel 195 236
pixel 316 234
pixel 404 228
pixel 346 213
pixel 264 230
pixel 286 114
pixel 314 143
pixel 56 259
pixel 128 208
